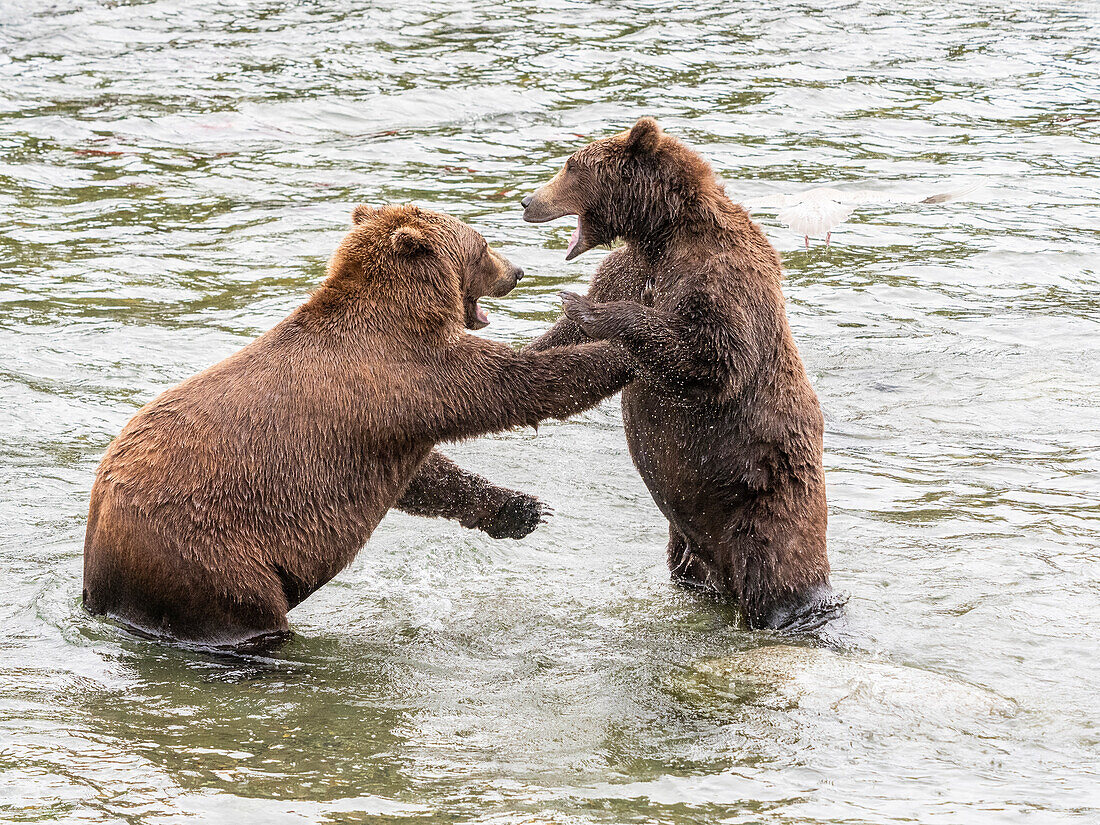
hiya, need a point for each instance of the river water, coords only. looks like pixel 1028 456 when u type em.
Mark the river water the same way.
pixel 173 175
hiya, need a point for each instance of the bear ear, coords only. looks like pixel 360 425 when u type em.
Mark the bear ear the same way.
pixel 363 213
pixel 643 136
pixel 409 240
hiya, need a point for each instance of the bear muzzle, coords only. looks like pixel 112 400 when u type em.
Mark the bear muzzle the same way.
pixel 544 205
pixel 538 208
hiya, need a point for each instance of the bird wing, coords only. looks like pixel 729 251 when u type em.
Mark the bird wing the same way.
pixel 954 194
pixel 853 197
pixel 859 197
pixel 769 203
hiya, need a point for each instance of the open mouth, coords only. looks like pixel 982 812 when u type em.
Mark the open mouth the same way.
pixel 476 317
pixel 574 239
pixel 577 243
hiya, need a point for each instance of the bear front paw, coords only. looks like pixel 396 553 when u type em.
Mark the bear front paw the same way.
pixel 582 312
pixel 518 517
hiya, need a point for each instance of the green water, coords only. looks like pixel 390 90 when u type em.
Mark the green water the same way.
pixel 173 176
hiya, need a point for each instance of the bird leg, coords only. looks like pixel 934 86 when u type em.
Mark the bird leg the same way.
pixel 827 236
pixel 807 241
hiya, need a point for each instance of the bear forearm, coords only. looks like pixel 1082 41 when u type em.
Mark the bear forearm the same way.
pixel 681 354
pixel 638 327
pixel 442 489
pixel 498 388
pixel 563 381
pixel 650 337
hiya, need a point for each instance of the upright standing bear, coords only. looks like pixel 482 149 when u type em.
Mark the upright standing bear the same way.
pixel 723 424
pixel 230 498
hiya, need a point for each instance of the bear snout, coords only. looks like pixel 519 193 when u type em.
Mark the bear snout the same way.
pixel 507 282
pixel 538 207
pixel 531 209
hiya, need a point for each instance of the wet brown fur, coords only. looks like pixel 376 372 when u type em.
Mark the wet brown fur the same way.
pixel 233 496
pixel 723 426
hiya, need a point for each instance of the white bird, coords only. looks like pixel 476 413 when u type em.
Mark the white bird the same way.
pixel 820 210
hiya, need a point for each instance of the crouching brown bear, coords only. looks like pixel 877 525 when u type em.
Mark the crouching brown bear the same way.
pixel 722 424
pixel 232 497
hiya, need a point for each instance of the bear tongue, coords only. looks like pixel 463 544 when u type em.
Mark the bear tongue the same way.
pixel 575 238
pixel 482 315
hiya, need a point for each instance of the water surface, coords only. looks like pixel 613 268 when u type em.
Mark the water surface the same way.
pixel 172 177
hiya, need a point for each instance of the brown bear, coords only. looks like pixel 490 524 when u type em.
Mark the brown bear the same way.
pixel 722 424
pixel 233 496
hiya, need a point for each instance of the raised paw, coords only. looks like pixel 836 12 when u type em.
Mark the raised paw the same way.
pixel 581 311
pixel 518 517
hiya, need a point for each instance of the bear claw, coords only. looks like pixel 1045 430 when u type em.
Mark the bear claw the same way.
pixel 578 308
pixel 520 515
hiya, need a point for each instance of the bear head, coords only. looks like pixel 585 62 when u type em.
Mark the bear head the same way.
pixel 424 268
pixel 637 185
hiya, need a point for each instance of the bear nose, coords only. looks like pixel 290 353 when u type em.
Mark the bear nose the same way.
pixel 519 274
pixel 525 202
